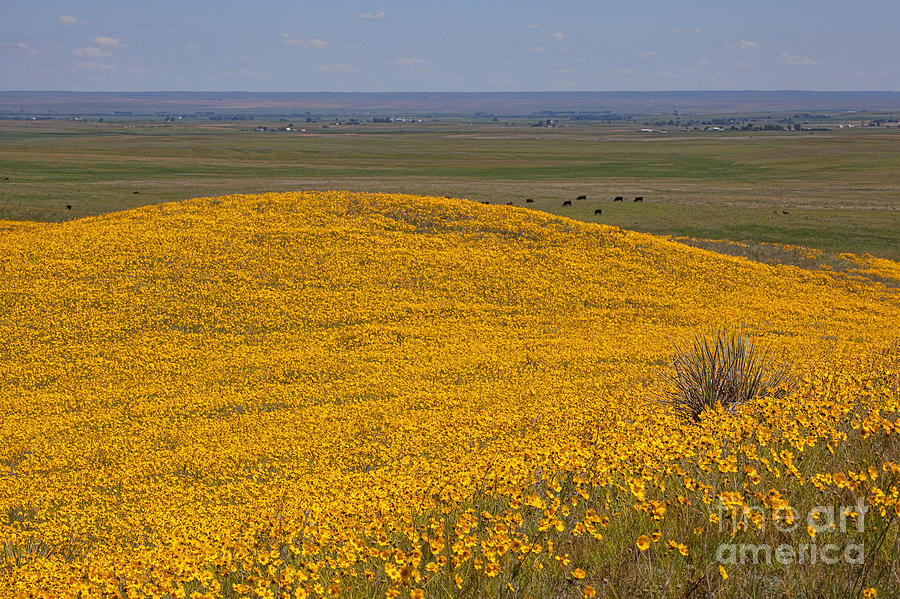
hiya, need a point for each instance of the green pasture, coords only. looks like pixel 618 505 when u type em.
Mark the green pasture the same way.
pixel 836 190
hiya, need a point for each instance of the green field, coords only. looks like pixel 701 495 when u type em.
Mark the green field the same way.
pixel 837 190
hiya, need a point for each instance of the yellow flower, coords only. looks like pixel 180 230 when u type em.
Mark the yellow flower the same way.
pixel 723 573
pixel 682 549
pixel 578 573
pixel 643 542
pixel 589 592
pixel 637 488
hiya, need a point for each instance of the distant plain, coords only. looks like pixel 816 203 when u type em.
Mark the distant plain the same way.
pixel 836 190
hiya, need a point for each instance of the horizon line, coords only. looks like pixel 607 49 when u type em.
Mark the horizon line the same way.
pixel 618 91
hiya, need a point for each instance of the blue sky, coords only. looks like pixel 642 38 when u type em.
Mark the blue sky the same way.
pixel 406 45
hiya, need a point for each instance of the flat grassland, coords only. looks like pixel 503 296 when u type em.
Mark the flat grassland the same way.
pixel 833 190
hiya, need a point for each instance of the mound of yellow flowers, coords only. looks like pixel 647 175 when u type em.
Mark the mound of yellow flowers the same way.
pixel 336 394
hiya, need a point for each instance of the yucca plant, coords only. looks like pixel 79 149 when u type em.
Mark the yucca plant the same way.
pixel 727 366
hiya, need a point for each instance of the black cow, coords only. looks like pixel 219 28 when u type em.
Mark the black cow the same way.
pixel 485 202
pixel 528 200
pixel 598 211
pixel 785 212
pixel 68 206
pixel 618 199
pixel 567 203
pixel 135 192
pixel 509 203
pixel 639 199
pixel 581 198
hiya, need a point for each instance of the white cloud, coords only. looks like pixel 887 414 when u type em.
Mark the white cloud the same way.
pixel 534 26
pixel 92 52
pixel 337 67
pixel 95 66
pixel 744 45
pixel 368 16
pixel 68 20
pixel 626 72
pixel 305 42
pixel 111 42
pixel 645 55
pixel 27 49
pixel 558 36
pixel 796 59
pixel 248 73
pixel 534 50
pixel 686 31
pixel 704 61
pixel 409 60
pixel 668 75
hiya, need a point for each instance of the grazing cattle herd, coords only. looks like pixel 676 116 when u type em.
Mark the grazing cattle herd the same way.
pixel 568 203
pixel 600 210
pixel 597 211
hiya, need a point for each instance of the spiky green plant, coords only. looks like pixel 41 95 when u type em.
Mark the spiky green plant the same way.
pixel 728 366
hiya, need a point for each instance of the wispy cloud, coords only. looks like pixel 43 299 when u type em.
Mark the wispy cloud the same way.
pixel 92 52
pixel 409 60
pixel 534 26
pixel 686 31
pixel 69 20
pixel 645 55
pixel 95 66
pixel 31 51
pixel 337 67
pixel 371 16
pixel 743 45
pixel 534 50
pixel 796 59
pixel 110 42
pixel 304 42
pixel 704 61
pixel 558 36
pixel 250 73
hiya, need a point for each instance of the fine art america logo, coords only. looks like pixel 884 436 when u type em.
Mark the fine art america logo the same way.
pixel 849 521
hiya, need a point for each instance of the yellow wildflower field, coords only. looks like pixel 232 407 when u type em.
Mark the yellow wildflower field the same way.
pixel 340 394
